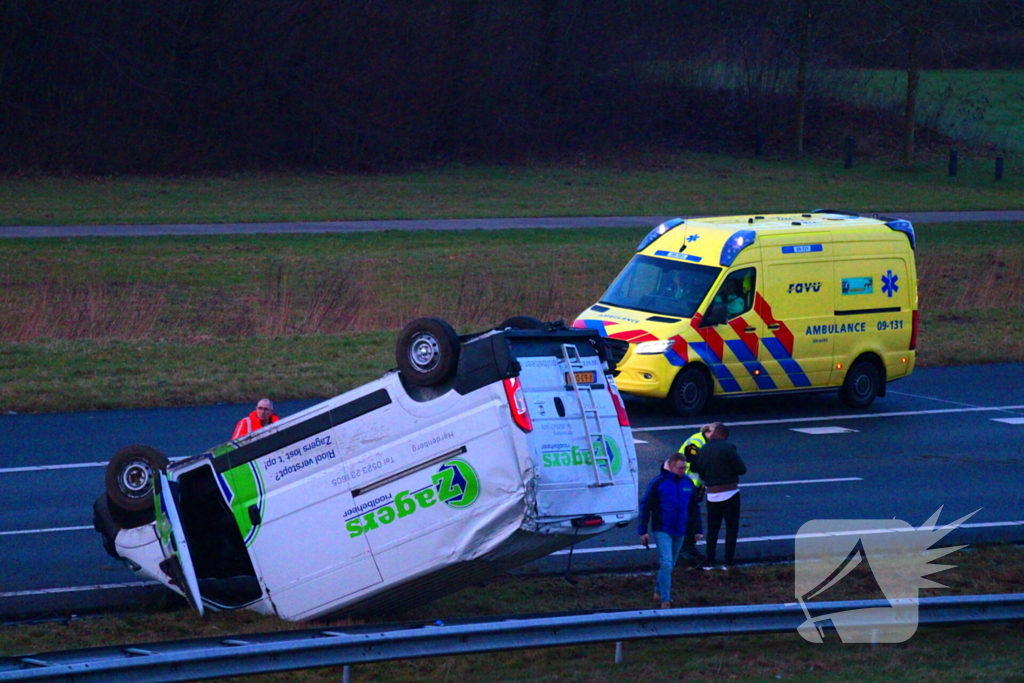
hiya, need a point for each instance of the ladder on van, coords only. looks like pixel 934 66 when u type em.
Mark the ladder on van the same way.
pixel 600 458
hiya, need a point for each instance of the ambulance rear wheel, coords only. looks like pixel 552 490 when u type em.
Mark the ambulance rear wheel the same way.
pixel 130 474
pixel 690 392
pixel 427 352
pixel 861 384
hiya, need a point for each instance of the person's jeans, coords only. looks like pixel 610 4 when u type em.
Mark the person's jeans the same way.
pixel 728 510
pixel 668 550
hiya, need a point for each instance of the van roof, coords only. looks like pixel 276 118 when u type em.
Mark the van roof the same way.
pixel 717 240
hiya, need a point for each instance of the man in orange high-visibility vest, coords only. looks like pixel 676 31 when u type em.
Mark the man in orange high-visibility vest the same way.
pixel 261 417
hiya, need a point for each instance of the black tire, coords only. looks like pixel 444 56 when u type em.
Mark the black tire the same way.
pixel 521 322
pixel 130 475
pixel 690 392
pixel 427 352
pixel 861 385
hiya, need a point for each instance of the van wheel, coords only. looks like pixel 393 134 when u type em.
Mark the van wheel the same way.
pixel 690 392
pixel 130 474
pixel 861 384
pixel 427 352
pixel 521 322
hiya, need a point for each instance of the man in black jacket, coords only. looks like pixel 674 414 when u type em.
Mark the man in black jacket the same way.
pixel 720 466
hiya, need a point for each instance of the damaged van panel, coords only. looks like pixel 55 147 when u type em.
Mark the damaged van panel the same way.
pixel 480 453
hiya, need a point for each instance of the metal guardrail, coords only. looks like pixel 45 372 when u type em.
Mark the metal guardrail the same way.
pixel 190 660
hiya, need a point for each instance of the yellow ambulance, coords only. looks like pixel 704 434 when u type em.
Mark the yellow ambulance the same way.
pixel 742 305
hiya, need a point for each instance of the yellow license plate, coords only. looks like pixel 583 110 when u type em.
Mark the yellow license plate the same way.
pixel 581 378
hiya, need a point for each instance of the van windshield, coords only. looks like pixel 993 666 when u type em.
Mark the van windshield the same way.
pixel 662 286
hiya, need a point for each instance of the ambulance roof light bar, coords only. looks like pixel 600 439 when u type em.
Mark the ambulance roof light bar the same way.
pixel 736 243
pixel 658 232
pixel 900 225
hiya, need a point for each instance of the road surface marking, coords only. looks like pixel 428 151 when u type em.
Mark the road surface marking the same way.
pixel 41 468
pixel 787 537
pixel 822 430
pixel 1009 420
pixel 792 420
pixel 75 589
pixel 799 481
pixel 46 531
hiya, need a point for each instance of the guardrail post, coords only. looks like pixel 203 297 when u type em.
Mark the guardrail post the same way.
pixel 618 652
pixel 999 168
pixel 346 674
pixel 952 162
pixel 849 153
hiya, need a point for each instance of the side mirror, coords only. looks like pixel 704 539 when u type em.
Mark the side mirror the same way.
pixel 715 315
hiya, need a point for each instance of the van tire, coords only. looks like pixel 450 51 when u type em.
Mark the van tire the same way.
pixel 861 385
pixel 427 352
pixel 521 322
pixel 129 477
pixel 690 392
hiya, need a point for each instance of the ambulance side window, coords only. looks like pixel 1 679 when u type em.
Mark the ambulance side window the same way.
pixel 734 298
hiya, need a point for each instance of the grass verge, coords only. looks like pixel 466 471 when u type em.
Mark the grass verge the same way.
pixel 640 185
pixel 122 323
pixel 962 653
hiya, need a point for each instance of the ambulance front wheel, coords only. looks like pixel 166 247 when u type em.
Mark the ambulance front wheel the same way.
pixel 861 384
pixel 427 352
pixel 130 474
pixel 690 392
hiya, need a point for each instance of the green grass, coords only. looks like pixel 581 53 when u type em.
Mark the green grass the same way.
pixel 642 185
pixel 961 653
pixel 978 107
pixel 122 323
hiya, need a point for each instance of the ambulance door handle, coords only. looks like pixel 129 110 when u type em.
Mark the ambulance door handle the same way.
pixel 774 327
pixel 750 330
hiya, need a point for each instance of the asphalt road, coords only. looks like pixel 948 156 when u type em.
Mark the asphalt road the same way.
pixel 944 437
pixel 458 224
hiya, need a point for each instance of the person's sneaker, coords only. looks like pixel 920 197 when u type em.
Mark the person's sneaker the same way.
pixel 723 568
pixel 705 568
pixel 666 605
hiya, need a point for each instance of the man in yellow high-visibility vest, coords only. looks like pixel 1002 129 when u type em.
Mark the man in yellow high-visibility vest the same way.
pixel 689 448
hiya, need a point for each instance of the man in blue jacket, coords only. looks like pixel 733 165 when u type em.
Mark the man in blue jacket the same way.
pixel 665 508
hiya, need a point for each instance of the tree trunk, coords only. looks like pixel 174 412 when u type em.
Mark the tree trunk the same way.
pixel 913 78
pixel 801 79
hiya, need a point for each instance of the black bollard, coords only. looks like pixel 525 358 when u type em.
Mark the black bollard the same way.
pixel 952 163
pixel 849 153
pixel 999 168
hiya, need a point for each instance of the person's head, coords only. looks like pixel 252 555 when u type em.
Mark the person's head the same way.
pixel 718 431
pixel 707 429
pixel 264 408
pixel 677 464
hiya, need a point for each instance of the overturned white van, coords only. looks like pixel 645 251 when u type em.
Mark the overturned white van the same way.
pixel 479 454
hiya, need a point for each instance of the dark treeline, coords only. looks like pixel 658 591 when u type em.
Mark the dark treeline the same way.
pixel 173 86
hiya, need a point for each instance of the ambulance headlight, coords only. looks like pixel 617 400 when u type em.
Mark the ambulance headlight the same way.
pixel 653 348
pixel 658 232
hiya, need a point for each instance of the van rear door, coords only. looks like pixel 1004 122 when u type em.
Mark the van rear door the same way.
pixel 583 454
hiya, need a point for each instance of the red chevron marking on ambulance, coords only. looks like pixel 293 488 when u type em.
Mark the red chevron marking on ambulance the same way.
pixel 634 336
pixel 739 326
pixel 783 334
pixel 714 340
pixel 679 346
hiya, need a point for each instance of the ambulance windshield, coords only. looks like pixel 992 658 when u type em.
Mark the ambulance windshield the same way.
pixel 662 286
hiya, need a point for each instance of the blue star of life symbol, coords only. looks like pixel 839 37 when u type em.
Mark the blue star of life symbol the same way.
pixel 889 285
pixel 692 238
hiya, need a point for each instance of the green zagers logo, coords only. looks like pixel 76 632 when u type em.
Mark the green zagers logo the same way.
pixel 577 456
pixel 455 484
